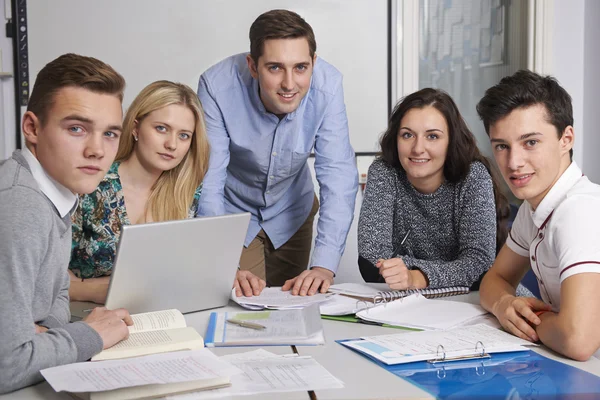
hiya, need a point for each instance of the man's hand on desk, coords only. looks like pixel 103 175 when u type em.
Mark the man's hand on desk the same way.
pixel 309 282
pixel 111 325
pixel 248 284
pixel 517 315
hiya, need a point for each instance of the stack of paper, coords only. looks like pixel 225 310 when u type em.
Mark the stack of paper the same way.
pixel 142 377
pixel 275 298
pixel 265 372
pixel 280 327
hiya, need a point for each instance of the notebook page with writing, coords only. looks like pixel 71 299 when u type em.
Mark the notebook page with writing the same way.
pixel 416 311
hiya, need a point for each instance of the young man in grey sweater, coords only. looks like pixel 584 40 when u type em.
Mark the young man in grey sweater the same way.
pixel 72 128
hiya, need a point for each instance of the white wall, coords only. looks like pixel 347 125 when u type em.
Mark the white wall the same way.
pixel 591 94
pixel 576 58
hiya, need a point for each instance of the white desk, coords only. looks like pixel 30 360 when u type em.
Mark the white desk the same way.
pixel 199 321
pixel 363 379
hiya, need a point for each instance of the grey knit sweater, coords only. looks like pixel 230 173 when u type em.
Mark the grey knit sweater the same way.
pixel 35 247
pixel 452 236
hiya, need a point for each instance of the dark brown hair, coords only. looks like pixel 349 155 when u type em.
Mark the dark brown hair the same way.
pixel 462 148
pixel 524 89
pixel 73 70
pixel 279 24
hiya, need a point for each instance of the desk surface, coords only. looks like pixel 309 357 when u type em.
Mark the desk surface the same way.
pixel 362 378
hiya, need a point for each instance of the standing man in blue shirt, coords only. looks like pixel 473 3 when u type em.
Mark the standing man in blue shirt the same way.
pixel 265 112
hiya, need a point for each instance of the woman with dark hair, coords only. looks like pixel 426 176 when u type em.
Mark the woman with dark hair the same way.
pixel 433 214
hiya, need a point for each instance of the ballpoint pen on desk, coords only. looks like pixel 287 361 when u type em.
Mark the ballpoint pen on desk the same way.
pixel 246 324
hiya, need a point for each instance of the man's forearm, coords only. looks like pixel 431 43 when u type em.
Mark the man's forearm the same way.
pixel 562 336
pixel 493 288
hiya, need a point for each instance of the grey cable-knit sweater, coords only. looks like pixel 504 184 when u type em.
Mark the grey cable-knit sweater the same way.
pixel 35 247
pixel 452 236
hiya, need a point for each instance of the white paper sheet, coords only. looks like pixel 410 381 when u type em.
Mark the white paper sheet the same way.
pixel 415 311
pixel 265 372
pixel 359 289
pixel 275 298
pixel 179 366
pixel 343 305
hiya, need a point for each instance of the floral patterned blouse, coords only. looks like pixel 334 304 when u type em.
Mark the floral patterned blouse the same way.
pixel 97 226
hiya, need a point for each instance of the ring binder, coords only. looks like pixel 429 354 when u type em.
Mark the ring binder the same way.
pixel 478 354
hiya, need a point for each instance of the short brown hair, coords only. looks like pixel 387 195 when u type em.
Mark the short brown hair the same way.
pixel 279 24
pixel 73 70
pixel 525 89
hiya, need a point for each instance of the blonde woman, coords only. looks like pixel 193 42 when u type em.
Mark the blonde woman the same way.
pixel 157 176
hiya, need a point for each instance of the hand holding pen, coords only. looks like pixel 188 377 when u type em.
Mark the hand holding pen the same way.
pixel 395 272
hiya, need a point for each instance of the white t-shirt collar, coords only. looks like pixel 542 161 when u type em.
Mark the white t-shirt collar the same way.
pixel 63 199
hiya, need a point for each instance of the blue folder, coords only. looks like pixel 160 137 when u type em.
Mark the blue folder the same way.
pixel 518 375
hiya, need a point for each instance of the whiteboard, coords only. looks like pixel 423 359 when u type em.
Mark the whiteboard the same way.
pixel 148 40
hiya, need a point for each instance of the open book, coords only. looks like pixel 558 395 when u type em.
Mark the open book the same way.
pixel 154 332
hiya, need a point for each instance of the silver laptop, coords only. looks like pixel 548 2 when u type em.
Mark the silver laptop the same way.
pixel 188 264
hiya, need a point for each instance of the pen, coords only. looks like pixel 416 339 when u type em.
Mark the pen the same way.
pixel 397 249
pixel 245 324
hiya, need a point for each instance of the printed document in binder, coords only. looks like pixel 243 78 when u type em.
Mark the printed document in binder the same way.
pixel 476 341
pixel 281 327
pixel 416 311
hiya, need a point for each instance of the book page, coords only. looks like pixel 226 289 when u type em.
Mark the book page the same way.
pixel 154 369
pixel 158 320
pixel 142 343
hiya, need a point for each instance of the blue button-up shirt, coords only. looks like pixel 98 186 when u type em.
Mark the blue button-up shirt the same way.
pixel 258 162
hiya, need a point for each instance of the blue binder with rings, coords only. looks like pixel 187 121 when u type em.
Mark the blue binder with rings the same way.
pixel 514 375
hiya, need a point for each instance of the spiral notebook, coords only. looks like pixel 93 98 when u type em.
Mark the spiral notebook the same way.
pixel 417 312
pixel 380 292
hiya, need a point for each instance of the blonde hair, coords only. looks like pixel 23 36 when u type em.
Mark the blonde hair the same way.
pixel 173 193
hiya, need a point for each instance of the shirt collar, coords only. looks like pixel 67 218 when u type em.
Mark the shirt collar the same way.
pixel 113 171
pixel 556 194
pixel 63 199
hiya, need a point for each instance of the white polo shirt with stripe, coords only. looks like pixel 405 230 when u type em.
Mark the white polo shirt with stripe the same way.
pixel 562 236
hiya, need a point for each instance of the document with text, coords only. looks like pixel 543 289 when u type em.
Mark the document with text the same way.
pixel 265 372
